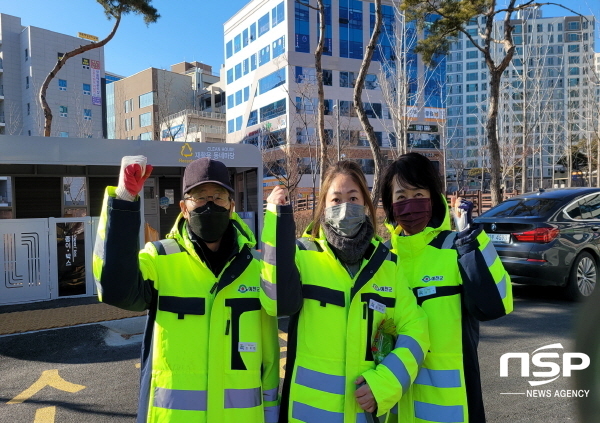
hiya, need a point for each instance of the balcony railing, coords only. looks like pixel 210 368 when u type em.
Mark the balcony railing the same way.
pixel 188 112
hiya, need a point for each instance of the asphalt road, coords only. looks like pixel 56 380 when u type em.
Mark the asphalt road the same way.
pixel 89 374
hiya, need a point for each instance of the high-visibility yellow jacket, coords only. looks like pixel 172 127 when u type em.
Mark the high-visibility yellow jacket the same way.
pixel 210 352
pixel 330 335
pixel 458 280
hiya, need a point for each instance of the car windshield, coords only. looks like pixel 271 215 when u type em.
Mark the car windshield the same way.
pixel 522 208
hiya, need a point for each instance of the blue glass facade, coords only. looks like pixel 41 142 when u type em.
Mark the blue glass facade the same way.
pixel 351 29
pixel 302 22
pixel 328 44
pixel 385 44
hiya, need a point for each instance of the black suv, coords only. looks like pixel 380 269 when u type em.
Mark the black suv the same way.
pixel 551 236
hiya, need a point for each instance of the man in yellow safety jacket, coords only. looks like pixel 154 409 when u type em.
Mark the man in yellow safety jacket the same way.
pixel 210 351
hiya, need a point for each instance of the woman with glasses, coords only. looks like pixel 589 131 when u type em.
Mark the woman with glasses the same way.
pixel 338 284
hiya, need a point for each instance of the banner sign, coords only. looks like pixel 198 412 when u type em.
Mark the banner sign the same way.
pixel 96 88
pixel 70 242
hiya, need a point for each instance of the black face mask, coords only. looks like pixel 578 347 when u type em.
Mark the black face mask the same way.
pixel 209 222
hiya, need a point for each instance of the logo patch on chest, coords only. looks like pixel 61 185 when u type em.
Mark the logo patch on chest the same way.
pixel 243 289
pixel 382 288
pixel 432 278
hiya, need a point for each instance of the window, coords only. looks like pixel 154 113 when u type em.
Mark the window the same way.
pixel 28 109
pixel 129 124
pixel 271 81
pixel 471 88
pixel 264 55
pixel 237 43
pixel 252 118
pixel 327 77
pixel 229 49
pixel 263 25
pixel 278 14
pixel 146 136
pixel 540 28
pixel 87 89
pixel 145 119
pixel 26 54
pixel 573 59
pixel 371 82
pixel 238 97
pixel 246 66
pixel 573 26
pixel 573 36
pixel 238 123
pixel 26 82
pixel 63 111
pixel 472 76
pixel 63 134
pixel 244 37
pixel 230 126
pixel 471 120
pixel 87 114
pixel 273 110
pixel 472 65
pixel 128 105
pixel 252 32
pixel 230 76
pixel 246 93
pixel 230 102
pixel 302 34
pixel 253 62
pixel 147 99
pixel 238 71
pixel 473 54
pixel 471 98
pixel 85 63
pixel 347 79
pixel 278 47
pixel 550 27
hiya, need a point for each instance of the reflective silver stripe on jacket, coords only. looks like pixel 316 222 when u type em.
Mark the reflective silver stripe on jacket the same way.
pixel 179 399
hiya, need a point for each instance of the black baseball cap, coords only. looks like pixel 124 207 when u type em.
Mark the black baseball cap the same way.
pixel 203 171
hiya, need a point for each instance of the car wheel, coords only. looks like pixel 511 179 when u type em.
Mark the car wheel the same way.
pixel 583 277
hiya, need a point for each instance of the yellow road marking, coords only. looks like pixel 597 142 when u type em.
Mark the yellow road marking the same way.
pixel 48 378
pixel 45 415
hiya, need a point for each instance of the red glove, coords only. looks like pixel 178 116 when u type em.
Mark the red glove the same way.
pixel 134 173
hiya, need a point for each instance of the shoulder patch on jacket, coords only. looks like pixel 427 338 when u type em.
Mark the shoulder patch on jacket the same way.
pixel 167 246
pixel 444 241
pixel 306 244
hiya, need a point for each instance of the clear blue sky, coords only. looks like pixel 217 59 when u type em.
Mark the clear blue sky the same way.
pixel 187 30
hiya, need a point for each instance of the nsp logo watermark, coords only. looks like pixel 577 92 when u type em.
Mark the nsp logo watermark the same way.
pixel 570 362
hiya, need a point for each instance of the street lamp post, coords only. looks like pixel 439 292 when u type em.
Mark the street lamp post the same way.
pixel 336 107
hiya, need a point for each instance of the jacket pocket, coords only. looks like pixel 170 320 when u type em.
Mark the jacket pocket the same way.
pixel 182 305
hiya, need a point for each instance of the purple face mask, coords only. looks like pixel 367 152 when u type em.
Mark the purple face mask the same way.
pixel 412 214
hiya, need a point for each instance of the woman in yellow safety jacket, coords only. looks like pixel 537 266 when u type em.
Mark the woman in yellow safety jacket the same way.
pixel 336 282
pixel 458 280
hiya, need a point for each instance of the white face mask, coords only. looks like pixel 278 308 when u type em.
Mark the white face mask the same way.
pixel 345 219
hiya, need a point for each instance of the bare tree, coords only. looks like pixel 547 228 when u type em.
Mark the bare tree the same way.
pixel 358 104
pixel 113 9
pixel 13 118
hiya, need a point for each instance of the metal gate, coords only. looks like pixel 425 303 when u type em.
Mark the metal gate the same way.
pixel 24 251
pixel 45 259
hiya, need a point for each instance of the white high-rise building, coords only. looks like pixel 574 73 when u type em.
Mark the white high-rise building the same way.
pixel 546 105
pixel 271 88
pixel 27 55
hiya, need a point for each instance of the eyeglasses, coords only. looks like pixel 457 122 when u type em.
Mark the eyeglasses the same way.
pixel 219 199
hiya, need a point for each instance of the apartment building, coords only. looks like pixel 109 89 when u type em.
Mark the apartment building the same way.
pixel 159 104
pixel 27 55
pixel 546 105
pixel 270 81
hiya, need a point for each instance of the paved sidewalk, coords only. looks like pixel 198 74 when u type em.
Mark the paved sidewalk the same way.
pixel 58 313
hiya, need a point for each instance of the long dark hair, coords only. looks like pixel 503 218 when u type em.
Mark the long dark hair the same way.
pixel 416 170
pixel 344 167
